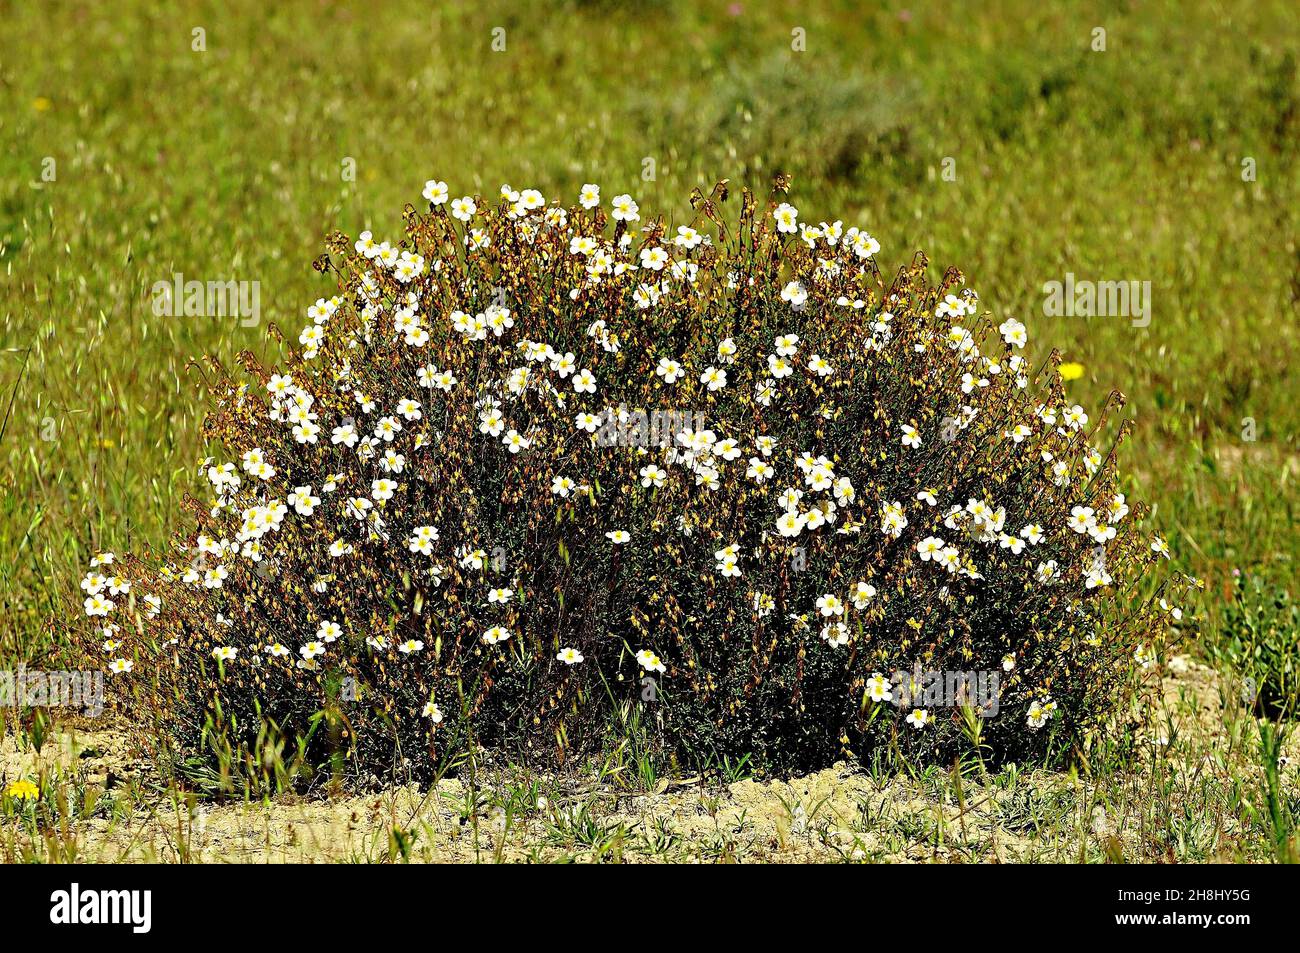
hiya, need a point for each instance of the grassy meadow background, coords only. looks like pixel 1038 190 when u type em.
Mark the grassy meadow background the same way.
pixel 228 164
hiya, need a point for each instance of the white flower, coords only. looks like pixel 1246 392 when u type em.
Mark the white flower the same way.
pixel 1144 655
pixel 653 476
pixel 1040 712
pixel 311 337
pixel 930 548
pixel 496 634
pixel 569 656
pixel 410 647
pixel 653 259
pixel 589 197
pixel 491 423
pixel 646 296
pixel 623 209
pixel 366 245
pixel 669 370
pixel 728 562
pixel 779 367
pixel 434 191
pixel 830 605
pixel 687 237
pixel 879 689
pixel 863 593
pixel 787 218
pixel 1081 519
pixel 463 208
pixel 311 650
pixel 864 246
pixel 1102 534
pixel 529 200
pixel 837 634
pixel 618 536
pixel 715 379
pixel 1118 508
pixel 564 364
pixel 892 519
pixel 649 661
pixel 1013 332
pixel 727 449
pixel 305 432
pixel 791 523
pixel 919 718
pixel 1095 575
pixel 820 366
pixel 911 438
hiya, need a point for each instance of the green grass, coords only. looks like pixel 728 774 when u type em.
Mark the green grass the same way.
pixel 228 164
pixel 1111 165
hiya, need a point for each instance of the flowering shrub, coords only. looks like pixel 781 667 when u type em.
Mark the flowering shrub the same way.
pixel 534 465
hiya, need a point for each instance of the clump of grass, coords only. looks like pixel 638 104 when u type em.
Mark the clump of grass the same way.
pixel 1260 641
pixel 535 464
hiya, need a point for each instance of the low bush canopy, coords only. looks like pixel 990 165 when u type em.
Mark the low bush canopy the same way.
pixel 535 470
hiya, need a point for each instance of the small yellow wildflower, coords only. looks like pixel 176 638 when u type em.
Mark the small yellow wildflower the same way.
pixel 1071 371
pixel 23 790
